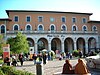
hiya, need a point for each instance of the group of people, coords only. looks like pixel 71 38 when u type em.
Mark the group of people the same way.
pixel 13 60
pixel 39 58
pixel 79 68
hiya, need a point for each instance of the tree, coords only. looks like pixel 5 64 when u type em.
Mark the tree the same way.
pixel 18 44
pixel 1 43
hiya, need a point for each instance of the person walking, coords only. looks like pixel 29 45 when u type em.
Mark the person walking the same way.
pixel 44 58
pixel 34 57
pixel 21 59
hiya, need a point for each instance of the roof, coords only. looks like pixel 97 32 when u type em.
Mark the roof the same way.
pixel 5 19
pixel 93 21
pixel 46 12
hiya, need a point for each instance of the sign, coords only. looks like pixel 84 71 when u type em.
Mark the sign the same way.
pixel 6 50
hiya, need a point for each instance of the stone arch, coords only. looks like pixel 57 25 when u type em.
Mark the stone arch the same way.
pixel 91 44
pixel 42 44
pixel 81 44
pixel 56 44
pixel 68 44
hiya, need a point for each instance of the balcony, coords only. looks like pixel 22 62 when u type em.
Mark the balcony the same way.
pixel 52 32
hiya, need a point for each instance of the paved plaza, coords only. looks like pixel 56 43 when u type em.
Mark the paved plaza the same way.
pixel 51 67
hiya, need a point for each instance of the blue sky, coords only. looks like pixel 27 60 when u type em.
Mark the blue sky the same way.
pixel 85 6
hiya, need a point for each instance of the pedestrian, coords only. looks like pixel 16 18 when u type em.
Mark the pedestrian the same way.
pixel 7 60
pixel 81 67
pixel 44 58
pixel 67 68
pixel 80 54
pixel 21 59
pixel 34 57
pixel 14 60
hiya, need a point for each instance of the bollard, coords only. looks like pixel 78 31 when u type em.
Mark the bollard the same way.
pixel 39 69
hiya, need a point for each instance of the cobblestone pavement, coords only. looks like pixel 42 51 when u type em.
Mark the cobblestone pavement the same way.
pixel 51 67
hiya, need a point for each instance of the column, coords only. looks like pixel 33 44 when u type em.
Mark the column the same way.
pixel 75 48
pixel 49 46
pixel 36 51
pixel 62 46
pixel 86 47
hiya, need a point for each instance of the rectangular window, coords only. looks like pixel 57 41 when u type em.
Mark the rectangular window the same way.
pixel 52 19
pixel 40 19
pixel 74 20
pixel 28 19
pixel 84 20
pixel 16 18
pixel 63 19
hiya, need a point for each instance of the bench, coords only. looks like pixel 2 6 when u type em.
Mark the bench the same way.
pixel 60 73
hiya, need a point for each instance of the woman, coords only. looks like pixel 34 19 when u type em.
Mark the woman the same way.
pixel 67 68
pixel 81 68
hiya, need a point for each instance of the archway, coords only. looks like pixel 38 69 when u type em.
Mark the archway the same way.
pixel 30 42
pixel 56 44
pixel 68 45
pixel 81 45
pixel 92 44
pixel 42 44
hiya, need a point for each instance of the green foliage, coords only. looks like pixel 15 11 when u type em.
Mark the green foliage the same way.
pixel 9 70
pixel 1 43
pixel 18 44
pixel 1 73
pixel 75 53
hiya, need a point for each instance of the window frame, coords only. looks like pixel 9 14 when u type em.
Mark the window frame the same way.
pixel 14 26
pixel 27 18
pixel 64 19
pixel 42 27
pixel 54 27
pixel 65 27
pixel 52 19
pixel 93 28
pixel 83 20
pixel 15 19
pixel 39 18
pixel 29 25
pixel 74 20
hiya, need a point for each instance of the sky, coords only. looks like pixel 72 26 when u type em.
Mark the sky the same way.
pixel 83 6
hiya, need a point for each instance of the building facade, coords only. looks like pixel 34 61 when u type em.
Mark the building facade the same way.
pixel 53 30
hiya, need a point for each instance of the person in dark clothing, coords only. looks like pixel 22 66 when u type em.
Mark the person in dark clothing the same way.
pixel 7 61
pixel 34 57
pixel 67 68
pixel 44 58
pixel 21 59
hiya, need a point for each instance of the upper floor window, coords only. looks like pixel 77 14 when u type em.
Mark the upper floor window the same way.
pixel 63 19
pixel 52 19
pixel 28 27
pixel 84 20
pixel 40 27
pixel 52 27
pixel 2 29
pixel 84 28
pixel 28 19
pixel 63 27
pixel 94 28
pixel 16 18
pixel 16 27
pixel 74 28
pixel 40 19
pixel 73 20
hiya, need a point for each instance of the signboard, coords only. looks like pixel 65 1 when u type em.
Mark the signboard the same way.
pixel 6 50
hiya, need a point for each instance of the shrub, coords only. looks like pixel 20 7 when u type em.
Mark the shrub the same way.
pixel 75 53
pixel 9 70
pixel 1 73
